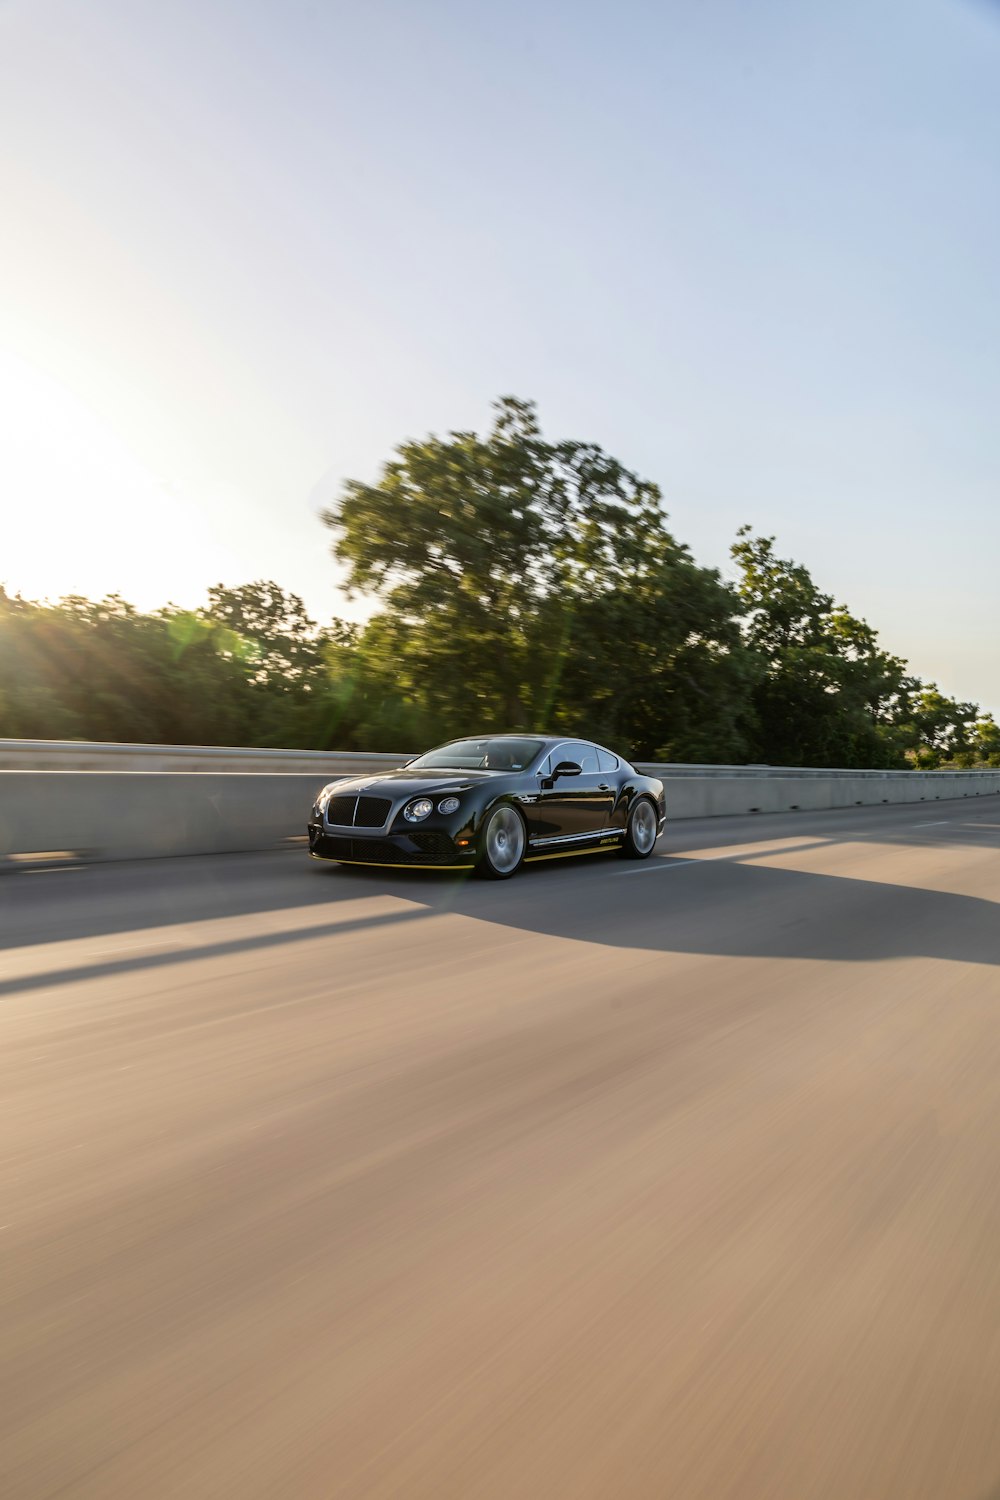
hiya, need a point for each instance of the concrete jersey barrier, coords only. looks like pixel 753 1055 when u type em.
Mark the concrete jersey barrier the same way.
pixel 80 755
pixel 128 801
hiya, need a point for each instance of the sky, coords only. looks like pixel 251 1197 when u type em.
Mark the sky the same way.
pixel 751 249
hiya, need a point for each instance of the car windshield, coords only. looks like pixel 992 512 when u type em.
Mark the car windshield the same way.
pixel 494 753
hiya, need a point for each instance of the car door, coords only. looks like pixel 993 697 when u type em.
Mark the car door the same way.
pixel 572 806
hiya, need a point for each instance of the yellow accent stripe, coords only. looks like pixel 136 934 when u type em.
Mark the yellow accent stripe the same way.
pixel 386 864
pixel 531 859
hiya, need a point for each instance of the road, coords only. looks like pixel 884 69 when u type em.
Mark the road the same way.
pixel 667 1180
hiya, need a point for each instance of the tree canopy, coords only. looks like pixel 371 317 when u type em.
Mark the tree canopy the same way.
pixel 517 583
pixel 827 694
pixel 521 578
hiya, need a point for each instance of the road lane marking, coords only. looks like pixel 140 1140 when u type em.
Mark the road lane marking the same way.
pixel 677 864
pixel 51 869
pixel 939 823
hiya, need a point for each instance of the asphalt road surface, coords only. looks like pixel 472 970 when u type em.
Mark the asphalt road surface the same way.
pixel 667 1180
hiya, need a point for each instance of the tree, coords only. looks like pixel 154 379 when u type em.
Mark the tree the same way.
pixel 938 728
pixel 526 583
pixel 986 741
pixel 103 671
pixel 826 693
pixel 478 548
pixel 270 631
pixel 660 667
pixel 521 584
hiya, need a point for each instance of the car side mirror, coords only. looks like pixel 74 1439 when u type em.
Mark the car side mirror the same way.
pixel 567 768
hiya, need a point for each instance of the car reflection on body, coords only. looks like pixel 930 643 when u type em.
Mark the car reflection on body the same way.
pixel 490 804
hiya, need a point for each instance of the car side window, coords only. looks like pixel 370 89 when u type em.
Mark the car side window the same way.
pixel 584 755
pixel 606 761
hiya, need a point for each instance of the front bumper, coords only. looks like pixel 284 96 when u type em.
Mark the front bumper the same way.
pixel 428 850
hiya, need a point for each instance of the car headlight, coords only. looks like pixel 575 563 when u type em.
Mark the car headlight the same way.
pixel 418 810
pixel 319 806
pixel 448 805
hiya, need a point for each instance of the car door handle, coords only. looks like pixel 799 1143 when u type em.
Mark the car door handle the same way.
pixel 602 786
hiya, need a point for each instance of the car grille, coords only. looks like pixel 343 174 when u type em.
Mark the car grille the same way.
pixel 424 849
pixel 436 847
pixel 372 812
pixel 358 812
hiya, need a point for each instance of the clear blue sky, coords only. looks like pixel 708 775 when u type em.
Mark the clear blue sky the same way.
pixel 752 249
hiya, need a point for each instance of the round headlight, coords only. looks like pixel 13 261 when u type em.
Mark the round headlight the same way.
pixel 418 810
pixel 448 805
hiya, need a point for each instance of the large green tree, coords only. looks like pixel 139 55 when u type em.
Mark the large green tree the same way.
pixel 527 583
pixel 826 692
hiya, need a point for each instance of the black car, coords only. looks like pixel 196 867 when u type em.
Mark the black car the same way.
pixel 489 804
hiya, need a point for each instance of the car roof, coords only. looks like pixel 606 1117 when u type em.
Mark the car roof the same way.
pixel 548 741
pixel 526 734
pixel 530 734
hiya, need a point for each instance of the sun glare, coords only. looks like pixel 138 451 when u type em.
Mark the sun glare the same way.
pixel 82 513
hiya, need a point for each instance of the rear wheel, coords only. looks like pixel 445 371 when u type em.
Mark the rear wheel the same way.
pixel 640 830
pixel 502 844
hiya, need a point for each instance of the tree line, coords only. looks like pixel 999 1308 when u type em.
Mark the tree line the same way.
pixel 518 584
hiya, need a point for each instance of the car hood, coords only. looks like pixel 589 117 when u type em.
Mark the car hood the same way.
pixel 404 782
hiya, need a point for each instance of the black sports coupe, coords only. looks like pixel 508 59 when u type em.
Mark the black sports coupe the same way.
pixel 489 804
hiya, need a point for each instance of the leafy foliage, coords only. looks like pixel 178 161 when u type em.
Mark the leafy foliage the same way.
pixel 522 579
pixel 827 694
pixel 519 584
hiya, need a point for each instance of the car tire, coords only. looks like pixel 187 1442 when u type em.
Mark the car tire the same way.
pixel 641 830
pixel 502 844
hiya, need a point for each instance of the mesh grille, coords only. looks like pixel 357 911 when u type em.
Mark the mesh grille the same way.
pixel 433 849
pixel 372 812
pixel 340 810
pixel 381 852
pixel 334 848
pixel 357 812
pixel 437 846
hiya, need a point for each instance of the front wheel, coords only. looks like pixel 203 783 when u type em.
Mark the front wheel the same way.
pixel 640 830
pixel 502 845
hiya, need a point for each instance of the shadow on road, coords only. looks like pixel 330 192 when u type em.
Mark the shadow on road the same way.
pixel 725 907
pixel 258 942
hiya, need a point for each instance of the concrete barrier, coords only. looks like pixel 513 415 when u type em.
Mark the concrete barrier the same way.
pixel 81 755
pixel 143 809
pixel 720 795
pixel 136 815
